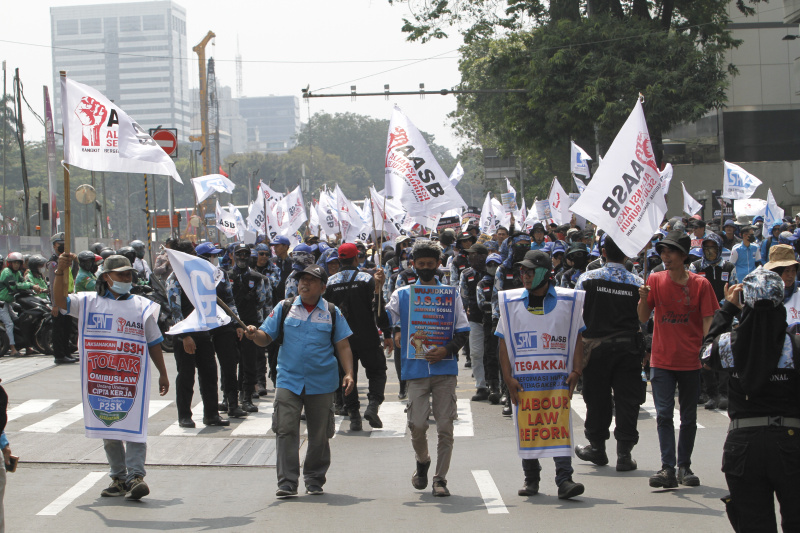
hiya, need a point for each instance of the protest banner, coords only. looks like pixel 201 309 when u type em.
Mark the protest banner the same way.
pixel 431 319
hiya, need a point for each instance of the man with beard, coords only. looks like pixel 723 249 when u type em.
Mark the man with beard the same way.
pixel 470 277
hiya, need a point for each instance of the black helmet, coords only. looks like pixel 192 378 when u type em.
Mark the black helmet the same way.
pixel 105 253
pixel 129 252
pixel 95 248
pixel 35 262
pixel 86 260
pixel 139 247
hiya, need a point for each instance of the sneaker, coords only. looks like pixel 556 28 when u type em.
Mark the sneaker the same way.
pixel 529 489
pixel 440 489
pixel 117 488
pixel 664 478
pixel 687 477
pixel 285 491
pixel 569 489
pixel 314 490
pixel 420 477
pixel 138 489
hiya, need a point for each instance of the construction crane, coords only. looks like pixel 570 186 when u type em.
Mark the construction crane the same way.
pixel 213 119
pixel 200 50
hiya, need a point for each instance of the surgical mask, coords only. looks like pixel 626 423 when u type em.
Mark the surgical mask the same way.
pixel 540 277
pixel 120 287
pixel 214 260
pixel 491 269
pixel 426 274
pixel 404 264
pixel 41 270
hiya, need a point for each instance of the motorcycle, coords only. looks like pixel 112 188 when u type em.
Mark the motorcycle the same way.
pixel 33 327
pixel 156 292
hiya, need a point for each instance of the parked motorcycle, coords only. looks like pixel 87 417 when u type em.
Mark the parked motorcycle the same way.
pixel 33 324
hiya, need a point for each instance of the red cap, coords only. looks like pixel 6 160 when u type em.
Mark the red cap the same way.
pixel 348 251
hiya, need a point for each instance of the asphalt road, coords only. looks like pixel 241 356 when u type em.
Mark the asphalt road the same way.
pixel 224 478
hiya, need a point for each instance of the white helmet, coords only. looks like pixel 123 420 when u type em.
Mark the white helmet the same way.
pixel 14 256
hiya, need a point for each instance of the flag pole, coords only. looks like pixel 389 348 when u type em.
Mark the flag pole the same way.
pixel 147 209
pixel 67 210
pixel 230 313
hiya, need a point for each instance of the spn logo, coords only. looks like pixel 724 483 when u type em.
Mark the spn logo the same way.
pixel 526 340
pixel 99 321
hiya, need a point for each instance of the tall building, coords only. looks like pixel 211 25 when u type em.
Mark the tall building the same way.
pixel 136 54
pixel 273 122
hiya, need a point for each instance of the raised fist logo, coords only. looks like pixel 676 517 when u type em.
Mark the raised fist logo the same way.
pixel 92 115
pixel 121 323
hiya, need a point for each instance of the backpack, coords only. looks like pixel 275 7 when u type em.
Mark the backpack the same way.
pixel 286 306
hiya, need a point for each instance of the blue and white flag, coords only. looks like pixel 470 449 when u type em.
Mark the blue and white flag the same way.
pixel 738 184
pixel 579 184
pixel 205 186
pixel 772 213
pixel 457 174
pixel 579 160
pixel 198 279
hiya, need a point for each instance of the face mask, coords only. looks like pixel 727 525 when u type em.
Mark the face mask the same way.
pixel 710 253
pixel 241 263
pixel 404 264
pixel 60 248
pixel 426 274
pixel 477 261
pixel 492 270
pixel 120 287
pixel 214 260
pixel 540 277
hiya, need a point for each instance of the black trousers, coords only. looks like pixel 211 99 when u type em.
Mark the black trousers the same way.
pixel 203 361
pixel 62 327
pixel 714 383
pixel 224 339
pixel 615 367
pixel 374 363
pixel 261 365
pixel 759 464
pixel 491 364
pixel 398 363
pixel 247 369
pixel 272 359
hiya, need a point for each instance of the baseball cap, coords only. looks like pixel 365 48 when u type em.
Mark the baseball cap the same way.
pixel 347 250
pixel 675 239
pixel 494 258
pixel 763 285
pixel 205 248
pixel 536 259
pixel 241 247
pixel 280 240
pixel 729 222
pixel 117 263
pixel 478 249
pixel 332 257
pixel 316 271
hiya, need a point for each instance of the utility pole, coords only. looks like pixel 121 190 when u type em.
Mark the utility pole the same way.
pixel 103 213
pixel 94 211
pixel 5 127
pixel 21 140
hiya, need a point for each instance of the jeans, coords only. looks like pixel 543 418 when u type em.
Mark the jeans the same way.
pixel 5 317
pixel 286 425
pixel 476 348
pixel 126 459
pixel 761 463
pixel 663 383
pixel 532 469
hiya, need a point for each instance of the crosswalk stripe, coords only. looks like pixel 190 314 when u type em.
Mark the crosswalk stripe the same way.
pixel 255 424
pixel 394 421
pixel 578 405
pixel 58 505
pixel 156 406
pixel 175 430
pixel 489 492
pixel 28 408
pixel 463 426
pixel 16 368
pixel 57 422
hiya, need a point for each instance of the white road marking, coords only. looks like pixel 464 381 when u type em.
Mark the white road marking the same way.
pixel 57 422
pixel 578 406
pixel 156 406
pixel 29 407
pixel 175 430
pixel 395 421
pixel 489 492
pixel 462 427
pixel 255 424
pixel 72 494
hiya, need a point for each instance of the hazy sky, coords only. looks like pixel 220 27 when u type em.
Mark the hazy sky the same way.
pixel 285 46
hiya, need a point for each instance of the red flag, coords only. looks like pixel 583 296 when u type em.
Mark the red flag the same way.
pixel 223 172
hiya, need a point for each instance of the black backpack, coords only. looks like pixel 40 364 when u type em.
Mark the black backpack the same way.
pixel 286 306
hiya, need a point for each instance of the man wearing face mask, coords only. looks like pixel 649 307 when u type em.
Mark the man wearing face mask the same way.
pixel 578 256
pixel 470 277
pixel 302 257
pixel 35 275
pixel 396 264
pixel 746 255
pixel 459 261
pixel 447 239
pixel 483 297
pixel 86 279
pixel 62 324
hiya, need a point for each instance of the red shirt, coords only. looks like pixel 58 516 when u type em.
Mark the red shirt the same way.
pixel 678 321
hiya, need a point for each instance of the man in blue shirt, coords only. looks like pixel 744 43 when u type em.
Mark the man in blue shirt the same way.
pixel 746 256
pixel 308 375
pixel 435 375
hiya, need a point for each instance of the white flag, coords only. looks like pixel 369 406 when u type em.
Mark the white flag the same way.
pixel 579 160
pixel 327 216
pixel 205 186
pixel 559 203
pixel 579 184
pixel 198 279
pixel 490 218
pixel 737 183
pixel 457 174
pixel 313 218
pixel 382 210
pixel 241 227
pixel 625 197
pixel 294 212
pixel 666 178
pixel 690 205
pixel 226 222
pixel 413 177
pixel 271 196
pixel 772 213
pixel 345 210
pixel 100 136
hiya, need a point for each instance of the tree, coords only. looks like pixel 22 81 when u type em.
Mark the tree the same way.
pixel 583 64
